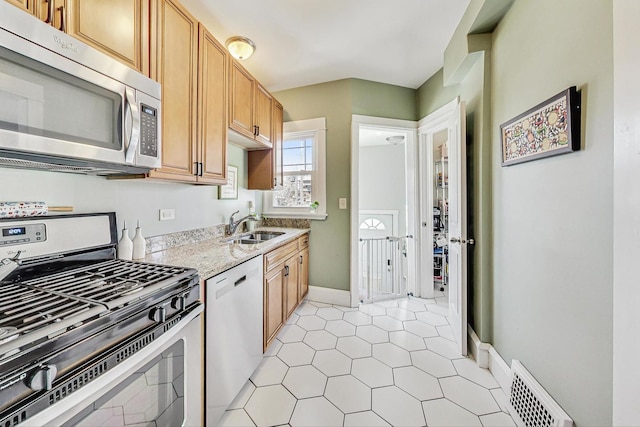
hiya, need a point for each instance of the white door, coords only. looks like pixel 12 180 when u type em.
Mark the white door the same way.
pixel 458 228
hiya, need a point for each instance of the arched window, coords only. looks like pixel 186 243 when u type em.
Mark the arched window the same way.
pixel 372 224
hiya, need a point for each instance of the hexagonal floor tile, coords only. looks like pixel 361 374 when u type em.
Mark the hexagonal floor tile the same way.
pixel 318 303
pixel 320 340
pixel 501 399
pixel 305 381
pixel 340 328
pixel 400 313
pixel 499 419
pixel 354 347
pixel 420 329
pixel 306 309
pixel 469 395
pixel 412 305
pixel 332 362
pixel 431 318
pixel 291 333
pixel 348 394
pixel 296 354
pixel 372 334
pixel 372 309
pixel 442 412
pixel 446 332
pixel 330 313
pixel 388 323
pixel 397 407
pixel 292 319
pixel 357 318
pixel 444 347
pixel 417 383
pixel 469 369
pixel 407 340
pixel 235 418
pixel 391 354
pixel 311 323
pixel 243 396
pixel 367 418
pixel 271 405
pixel 271 371
pixel 433 363
pixel 387 303
pixel 442 310
pixel 372 372
pixel 273 348
pixel 317 411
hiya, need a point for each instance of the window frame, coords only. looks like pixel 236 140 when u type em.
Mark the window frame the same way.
pixel 311 128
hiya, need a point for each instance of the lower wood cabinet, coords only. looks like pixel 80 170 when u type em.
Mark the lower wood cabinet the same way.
pixel 286 281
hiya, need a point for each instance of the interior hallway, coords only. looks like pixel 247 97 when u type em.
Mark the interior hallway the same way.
pixel 386 363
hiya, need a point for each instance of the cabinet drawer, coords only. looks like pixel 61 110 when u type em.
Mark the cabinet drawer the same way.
pixel 276 256
pixel 303 242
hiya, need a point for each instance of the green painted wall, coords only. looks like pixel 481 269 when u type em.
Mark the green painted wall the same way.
pixel 337 101
pixel 553 225
pixel 432 94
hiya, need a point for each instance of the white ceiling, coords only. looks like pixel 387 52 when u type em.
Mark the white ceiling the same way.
pixel 303 42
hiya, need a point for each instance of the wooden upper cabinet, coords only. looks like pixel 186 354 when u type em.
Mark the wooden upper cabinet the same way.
pixel 174 63
pixel 265 166
pixel 212 109
pixel 119 28
pixel 53 12
pixel 26 5
pixel 263 113
pixel 241 94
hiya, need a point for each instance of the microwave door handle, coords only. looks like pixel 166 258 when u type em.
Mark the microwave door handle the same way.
pixel 131 109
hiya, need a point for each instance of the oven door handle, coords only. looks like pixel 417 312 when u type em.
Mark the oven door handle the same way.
pixel 133 139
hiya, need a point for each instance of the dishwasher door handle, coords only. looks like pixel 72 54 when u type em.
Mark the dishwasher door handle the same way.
pixel 240 280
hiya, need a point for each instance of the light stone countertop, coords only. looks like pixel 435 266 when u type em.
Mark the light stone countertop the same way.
pixel 213 256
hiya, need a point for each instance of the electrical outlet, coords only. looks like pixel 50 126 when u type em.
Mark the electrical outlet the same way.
pixel 342 203
pixel 167 214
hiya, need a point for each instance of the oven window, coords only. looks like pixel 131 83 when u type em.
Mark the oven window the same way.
pixel 152 396
pixel 38 99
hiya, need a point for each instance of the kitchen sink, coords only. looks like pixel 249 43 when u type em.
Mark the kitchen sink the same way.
pixel 255 237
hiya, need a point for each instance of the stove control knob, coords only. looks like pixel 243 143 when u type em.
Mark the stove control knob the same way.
pixel 178 303
pixel 42 378
pixel 158 314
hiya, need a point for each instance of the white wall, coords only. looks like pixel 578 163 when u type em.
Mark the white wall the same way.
pixel 132 200
pixel 626 205
pixel 382 180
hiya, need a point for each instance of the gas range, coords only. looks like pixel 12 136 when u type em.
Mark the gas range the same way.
pixel 71 311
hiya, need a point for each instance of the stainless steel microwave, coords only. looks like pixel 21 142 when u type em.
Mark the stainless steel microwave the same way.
pixel 66 106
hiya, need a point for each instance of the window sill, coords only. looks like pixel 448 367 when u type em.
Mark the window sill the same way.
pixel 296 215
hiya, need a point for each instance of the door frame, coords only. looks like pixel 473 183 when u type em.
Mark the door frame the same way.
pixel 409 127
pixel 428 126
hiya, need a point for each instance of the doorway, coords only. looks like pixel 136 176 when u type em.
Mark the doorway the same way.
pixel 382 208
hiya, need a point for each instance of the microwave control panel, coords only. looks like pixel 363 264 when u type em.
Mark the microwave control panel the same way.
pixel 148 131
pixel 21 234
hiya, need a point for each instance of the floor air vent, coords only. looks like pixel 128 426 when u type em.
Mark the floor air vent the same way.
pixel 531 405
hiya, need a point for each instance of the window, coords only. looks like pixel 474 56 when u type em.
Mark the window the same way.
pixel 303 163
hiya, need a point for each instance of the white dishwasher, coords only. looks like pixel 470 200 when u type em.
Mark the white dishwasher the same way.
pixel 233 334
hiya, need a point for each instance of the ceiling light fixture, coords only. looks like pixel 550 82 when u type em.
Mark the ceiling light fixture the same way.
pixel 395 140
pixel 240 47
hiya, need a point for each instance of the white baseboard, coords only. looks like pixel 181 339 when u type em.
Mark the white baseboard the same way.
pixel 329 296
pixel 487 357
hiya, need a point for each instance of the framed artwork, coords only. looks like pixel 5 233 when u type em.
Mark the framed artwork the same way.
pixel 230 189
pixel 548 129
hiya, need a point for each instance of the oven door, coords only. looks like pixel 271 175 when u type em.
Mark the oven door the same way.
pixel 159 385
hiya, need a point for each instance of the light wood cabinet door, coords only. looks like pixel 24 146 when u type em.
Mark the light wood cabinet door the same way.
pixel 119 28
pixel 291 283
pixel 303 275
pixel 263 111
pixel 212 109
pixel 273 304
pixel 265 166
pixel 241 94
pixel 26 5
pixel 53 12
pixel 174 61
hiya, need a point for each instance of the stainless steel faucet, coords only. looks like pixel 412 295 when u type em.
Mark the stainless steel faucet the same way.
pixel 233 225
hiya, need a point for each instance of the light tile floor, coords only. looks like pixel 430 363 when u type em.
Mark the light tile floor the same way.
pixel 386 363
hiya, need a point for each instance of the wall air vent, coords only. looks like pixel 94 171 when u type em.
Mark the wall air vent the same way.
pixel 531 405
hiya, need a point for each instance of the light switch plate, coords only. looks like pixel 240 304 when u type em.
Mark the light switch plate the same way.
pixel 342 203
pixel 167 214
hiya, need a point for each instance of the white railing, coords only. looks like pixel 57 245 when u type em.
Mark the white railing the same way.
pixel 382 267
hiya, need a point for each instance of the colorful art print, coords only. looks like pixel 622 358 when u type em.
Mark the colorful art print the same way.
pixel 548 129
